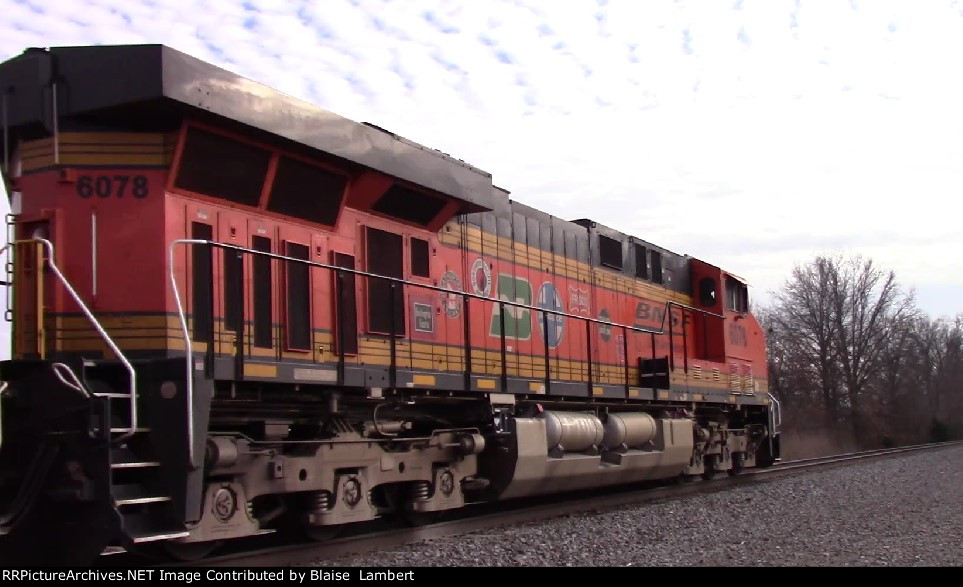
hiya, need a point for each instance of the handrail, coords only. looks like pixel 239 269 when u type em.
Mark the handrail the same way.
pixel 3 388
pixel 394 281
pixel 661 330
pixel 59 369
pixel 189 351
pixel 9 271
pixel 776 414
pixel 97 326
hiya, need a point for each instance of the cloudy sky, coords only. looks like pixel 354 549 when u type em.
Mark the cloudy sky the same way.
pixel 751 134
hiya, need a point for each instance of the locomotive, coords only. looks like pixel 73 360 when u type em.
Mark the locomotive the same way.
pixel 234 312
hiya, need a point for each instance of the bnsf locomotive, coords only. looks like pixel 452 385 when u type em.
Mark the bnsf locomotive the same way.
pixel 233 312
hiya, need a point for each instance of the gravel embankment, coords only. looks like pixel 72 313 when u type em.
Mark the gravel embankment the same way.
pixel 899 511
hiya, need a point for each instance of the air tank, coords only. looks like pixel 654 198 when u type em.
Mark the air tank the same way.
pixel 572 431
pixel 631 429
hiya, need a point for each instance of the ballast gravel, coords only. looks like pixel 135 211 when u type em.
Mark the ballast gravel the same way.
pixel 896 511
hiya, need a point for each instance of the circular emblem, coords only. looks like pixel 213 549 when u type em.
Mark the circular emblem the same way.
pixel 549 299
pixel 605 331
pixel 352 492
pixel 225 504
pixel 447 482
pixel 449 301
pixel 481 278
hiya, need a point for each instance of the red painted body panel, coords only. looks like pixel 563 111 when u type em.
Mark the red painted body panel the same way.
pixel 133 235
pixel 129 238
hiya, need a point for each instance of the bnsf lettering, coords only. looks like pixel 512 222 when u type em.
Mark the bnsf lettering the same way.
pixel 644 313
pixel 116 186
pixel 647 313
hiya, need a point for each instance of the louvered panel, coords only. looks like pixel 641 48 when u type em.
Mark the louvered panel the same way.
pixel 735 380
pixel 747 380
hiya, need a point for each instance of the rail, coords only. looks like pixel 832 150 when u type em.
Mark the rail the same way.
pixel 62 371
pixel 665 326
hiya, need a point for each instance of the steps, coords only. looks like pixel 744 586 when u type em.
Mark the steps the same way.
pixel 139 493
pixel 134 494
pixel 143 528
pixel 138 486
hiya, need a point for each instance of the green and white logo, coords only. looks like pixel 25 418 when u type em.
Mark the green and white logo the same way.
pixel 518 321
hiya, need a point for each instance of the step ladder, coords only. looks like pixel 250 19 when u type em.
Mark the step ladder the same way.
pixel 137 483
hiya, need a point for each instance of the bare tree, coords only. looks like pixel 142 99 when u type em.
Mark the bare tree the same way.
pixel 790 374
pixel 804 320
pixel 953 373
pixel 867 306
pixel 919 388
pixel 894 385
pixel 843 336
pixel 938 362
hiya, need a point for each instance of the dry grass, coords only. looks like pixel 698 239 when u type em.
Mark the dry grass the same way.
pixel 806 444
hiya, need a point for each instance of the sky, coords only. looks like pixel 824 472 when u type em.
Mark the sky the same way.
pixel 751 134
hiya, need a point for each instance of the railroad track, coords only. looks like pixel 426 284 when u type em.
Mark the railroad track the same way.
pixel 380 535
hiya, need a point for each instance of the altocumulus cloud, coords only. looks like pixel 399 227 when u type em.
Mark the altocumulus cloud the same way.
pixel 752 134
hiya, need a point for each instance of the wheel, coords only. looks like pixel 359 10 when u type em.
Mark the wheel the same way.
pixel 190 551
pixel 738 464
pixel 419 519
pixel 395 499
pixel 764 456
pixel 177 551
pixel 710 467
pixel 321 533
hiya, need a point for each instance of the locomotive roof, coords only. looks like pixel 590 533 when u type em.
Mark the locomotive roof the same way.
pixel 140 83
